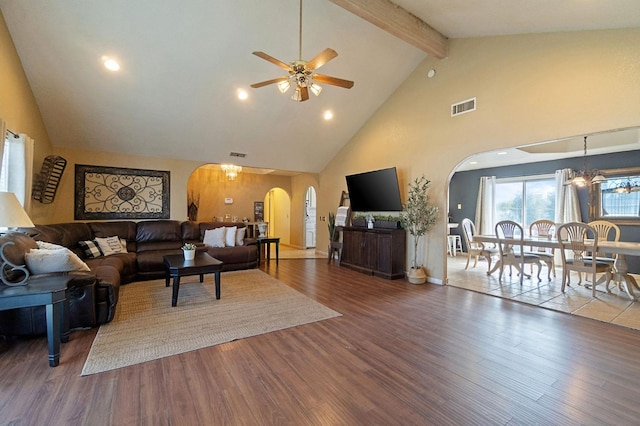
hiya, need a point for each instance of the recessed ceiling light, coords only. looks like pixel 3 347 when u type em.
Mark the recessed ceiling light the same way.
pixel 328 115
pixel 473 162
pixel 502 153
pixel 111 64
pixel 242 94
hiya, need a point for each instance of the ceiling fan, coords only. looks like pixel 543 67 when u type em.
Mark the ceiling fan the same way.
pixel 302 73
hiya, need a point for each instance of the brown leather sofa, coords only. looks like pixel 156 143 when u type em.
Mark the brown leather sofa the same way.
pixel 147 242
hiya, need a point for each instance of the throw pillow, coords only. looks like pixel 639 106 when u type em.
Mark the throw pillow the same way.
pixel 230 238
pixel 109 245
pixel 240 236
pixel 44 261
pixel 214 237
pixel 49 246
pixel 123 243
pixel 90 249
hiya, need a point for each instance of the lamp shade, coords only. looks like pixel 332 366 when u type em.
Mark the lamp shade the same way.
pixel 12 215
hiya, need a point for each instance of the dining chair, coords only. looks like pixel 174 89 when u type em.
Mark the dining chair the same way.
pixel 510 237
pixel 475 249
pixel 581 241
pixel 544 228
pixel 604 230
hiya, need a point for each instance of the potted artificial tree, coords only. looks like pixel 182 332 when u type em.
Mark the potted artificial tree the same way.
pixel 418 217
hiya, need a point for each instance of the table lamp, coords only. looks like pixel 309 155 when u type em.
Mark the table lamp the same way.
pixel 12 215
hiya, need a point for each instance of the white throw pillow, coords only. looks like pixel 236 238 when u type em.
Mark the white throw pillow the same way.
pixel 49 246
pixel 214 237
pixel 240 236
pixel 230 236
pixel 109 245
pixel 43 261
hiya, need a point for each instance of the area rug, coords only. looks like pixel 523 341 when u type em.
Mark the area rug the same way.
pixel 146 327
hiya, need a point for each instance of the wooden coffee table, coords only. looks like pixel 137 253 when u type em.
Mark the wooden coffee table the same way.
pixel 202 264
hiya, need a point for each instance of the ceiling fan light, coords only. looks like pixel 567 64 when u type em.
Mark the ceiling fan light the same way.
pixel 283 86
pixel 297 96
pixel 315 89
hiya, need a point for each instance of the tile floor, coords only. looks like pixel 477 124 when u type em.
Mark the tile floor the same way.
pixel 615 307
pixel 288 252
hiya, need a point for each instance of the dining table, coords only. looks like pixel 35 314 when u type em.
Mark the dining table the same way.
pixel 621 249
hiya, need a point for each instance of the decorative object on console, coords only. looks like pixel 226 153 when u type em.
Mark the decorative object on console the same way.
pixel 258 211
pixel 301 73
pixel 117 193
pixel 46 183
pixel 12 215
pixel 189 251
pixel 586 177
pixel 262 228
pixel 231 171
pixel 418 218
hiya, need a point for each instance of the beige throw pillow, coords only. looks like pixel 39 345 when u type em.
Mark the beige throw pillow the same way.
pixel 240 236
pixel 46 260
pixel 109 245
pixel 215 237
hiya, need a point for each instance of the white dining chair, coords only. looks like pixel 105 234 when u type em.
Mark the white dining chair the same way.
pixel 511 245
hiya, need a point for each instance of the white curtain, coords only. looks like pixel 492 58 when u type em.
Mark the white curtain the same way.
pixel 567 205
pixel 17 168
pixel 484 207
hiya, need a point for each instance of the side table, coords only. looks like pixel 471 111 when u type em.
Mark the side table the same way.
pixel 48 292
pixel 267 241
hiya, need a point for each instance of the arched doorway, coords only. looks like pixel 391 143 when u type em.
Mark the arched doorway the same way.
pixel 310 206
pixel 277 209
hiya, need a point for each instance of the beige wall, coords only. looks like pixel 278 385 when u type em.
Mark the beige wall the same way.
pixel 529 88
pixel 212 186
pixel 19 109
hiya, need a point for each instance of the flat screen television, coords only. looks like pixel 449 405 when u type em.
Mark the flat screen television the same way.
pixel 375 191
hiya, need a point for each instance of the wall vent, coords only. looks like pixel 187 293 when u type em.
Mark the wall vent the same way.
pixel 463 107
pixel 237 154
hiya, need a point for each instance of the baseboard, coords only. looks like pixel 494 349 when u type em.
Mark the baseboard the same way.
pixel 432 280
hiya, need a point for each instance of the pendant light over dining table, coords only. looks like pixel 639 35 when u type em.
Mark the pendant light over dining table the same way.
pixel 586 177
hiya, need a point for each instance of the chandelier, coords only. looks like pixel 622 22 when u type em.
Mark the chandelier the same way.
pixel 231 170
pixel 585 176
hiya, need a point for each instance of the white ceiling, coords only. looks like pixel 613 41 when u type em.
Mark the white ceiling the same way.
pixel 183 62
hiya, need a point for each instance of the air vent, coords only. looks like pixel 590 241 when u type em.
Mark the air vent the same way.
pixel 463 107
pixel 237 154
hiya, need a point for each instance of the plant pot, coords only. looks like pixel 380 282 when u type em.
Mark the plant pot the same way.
pixel 189 254
pixel 417 276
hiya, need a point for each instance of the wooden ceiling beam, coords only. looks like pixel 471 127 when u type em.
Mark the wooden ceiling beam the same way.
pixel 397 21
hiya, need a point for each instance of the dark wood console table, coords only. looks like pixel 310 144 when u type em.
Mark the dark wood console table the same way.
pixel 48 292
pixel 377 251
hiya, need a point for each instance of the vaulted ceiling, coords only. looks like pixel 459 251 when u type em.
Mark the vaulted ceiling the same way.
pixel 183 62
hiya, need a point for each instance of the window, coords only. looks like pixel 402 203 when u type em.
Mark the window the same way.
pixel 525 200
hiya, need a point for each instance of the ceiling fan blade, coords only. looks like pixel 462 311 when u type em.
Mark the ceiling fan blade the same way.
pixel 304 92
pixel 319 78
pixel 272 60
pixel 266 83
pixel 322 58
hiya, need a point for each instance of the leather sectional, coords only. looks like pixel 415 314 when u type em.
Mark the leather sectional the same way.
pixel 92 296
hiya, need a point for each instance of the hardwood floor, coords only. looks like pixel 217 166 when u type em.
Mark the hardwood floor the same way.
pixel 400 354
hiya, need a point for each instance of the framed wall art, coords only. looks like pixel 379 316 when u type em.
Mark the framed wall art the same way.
pixel 258 211
pixel 103 193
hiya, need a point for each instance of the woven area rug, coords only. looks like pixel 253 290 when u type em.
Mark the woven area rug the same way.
pixel 146 327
